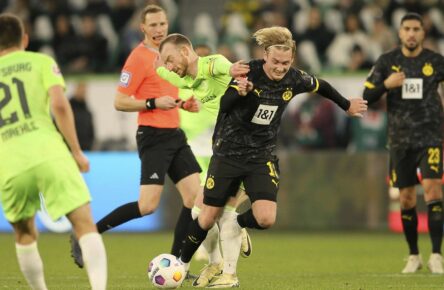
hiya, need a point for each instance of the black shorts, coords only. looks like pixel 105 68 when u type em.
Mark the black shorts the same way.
pixel 164 151
pixel 261 180
pixel 405 162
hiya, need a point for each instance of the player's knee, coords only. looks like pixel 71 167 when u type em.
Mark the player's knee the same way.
pixel 266 221
pixel 147 208
pixel 207 221
pixel 188 201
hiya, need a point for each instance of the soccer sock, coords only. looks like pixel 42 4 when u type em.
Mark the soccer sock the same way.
pixel 230 240
pixel 410 226
pixel 247 220
pixel 119 216
pixel 94 255
pixel 211 245
pixel 31 265
pixel 435 219
pixel 181 230
pixel 194 238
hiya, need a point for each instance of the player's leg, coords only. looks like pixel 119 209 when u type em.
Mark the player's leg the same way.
pixel 28 256
pixel 221 183
pixel 210 247
pixel 20 201
pixel 246 244
pixel 91 244
pixel 184 172
pixel 431 170
pixel 155 159
pixel 68 195
pixel 209 250
pixel 403 175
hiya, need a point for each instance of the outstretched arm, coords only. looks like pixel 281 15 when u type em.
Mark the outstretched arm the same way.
pixel 354 107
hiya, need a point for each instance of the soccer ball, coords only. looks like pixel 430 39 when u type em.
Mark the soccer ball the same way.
pixel 166 271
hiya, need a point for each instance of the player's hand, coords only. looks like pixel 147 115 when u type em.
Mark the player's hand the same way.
pixel 395 80
pixel 190 105
pixel 165 103
pixel 245 86
pixel 81 160
pixel 239 69
pixel 357 107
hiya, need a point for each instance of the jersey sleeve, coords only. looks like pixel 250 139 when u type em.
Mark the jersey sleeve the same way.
pixel 376 75
pixel 219 66
pixel 133 73
pixel 309 82
pixel 51 74
pixel 171 77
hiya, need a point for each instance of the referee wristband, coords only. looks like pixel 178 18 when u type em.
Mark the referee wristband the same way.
pixel 150 104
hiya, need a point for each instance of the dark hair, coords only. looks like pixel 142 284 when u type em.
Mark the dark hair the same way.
pixel 176 39
pixel 412 16
pixel 11 31
pixel 150 9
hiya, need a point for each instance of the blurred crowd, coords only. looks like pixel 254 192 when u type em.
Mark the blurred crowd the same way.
pixel 96 36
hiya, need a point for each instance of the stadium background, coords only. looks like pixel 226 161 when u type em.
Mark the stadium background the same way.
pixel 333 169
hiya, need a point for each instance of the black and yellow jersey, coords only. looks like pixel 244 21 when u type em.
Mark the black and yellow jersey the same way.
pixel 249 129
pixel 415 113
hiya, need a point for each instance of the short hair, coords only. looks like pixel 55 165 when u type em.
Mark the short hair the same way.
pixel 150 9
pixel 412 16
pixel 176 39
pixel 275 36
pixel 11 31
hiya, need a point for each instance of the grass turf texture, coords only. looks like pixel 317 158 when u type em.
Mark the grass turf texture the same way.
pixel 280 261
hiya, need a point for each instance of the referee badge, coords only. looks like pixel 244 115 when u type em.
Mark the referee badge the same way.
pixel 427 69
pixel 210 183
pixel 286 96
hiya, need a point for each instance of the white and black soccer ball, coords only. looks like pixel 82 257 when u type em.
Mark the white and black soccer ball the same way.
pixel 166 271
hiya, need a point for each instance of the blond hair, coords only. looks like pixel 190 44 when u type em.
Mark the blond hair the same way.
pixel 276 36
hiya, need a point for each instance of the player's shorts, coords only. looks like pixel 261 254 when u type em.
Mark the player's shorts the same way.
pixel 163 151
pixel 60 183
pixel 405 162
pixel 261 180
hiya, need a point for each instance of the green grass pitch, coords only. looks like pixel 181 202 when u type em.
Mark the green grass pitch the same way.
pixel 291 260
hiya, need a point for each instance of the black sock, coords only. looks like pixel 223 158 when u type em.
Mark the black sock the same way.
pixel 120 215
pixel 409 220
pixel 181 230
pixel 435 220
pixel 194 237
pixel 247 220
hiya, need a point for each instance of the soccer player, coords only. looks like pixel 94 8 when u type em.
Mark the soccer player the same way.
pixel 208 78
pixel 245 138
pixel 410 76
pixel 161 144
pixel 33 155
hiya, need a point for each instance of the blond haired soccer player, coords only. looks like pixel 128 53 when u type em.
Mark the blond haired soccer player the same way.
pixel 208 78
pixel 33 155
pixel 162 145
pixel 245 139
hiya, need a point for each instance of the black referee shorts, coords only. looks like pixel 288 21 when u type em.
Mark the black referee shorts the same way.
pixel 261 180
pixel 405 162
pixel 162 151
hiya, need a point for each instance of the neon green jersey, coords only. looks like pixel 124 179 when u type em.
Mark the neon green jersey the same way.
pixel 28 135
pixel 211 82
